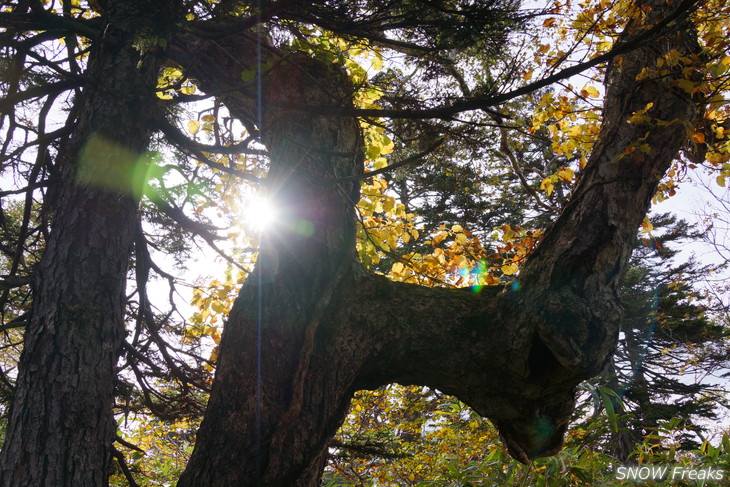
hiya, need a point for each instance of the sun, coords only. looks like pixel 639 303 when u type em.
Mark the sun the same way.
pixel 259 213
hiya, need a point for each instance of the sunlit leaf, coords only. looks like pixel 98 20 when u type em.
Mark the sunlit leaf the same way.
pixel 193 127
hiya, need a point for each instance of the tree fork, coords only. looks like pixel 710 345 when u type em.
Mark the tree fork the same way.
pixel 514 354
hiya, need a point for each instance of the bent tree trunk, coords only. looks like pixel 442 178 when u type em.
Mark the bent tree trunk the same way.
pixel 60 426
pixel 310 327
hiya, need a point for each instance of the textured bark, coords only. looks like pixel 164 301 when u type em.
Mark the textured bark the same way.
pixel 310 328
pixel 60 424
pixel 301 265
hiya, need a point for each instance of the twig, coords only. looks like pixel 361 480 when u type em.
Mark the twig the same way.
pixel 125 468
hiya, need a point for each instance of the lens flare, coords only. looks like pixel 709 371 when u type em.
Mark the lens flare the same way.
pixel 480 272
pixel 259 213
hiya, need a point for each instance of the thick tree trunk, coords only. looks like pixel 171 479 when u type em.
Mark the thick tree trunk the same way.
pixel 60 426
pixel 266 348
pixel 310 328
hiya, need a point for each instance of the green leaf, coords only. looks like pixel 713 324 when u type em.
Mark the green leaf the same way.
pixel 686 85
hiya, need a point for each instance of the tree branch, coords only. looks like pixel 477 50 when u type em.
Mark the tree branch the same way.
pixel 12 282
pixel 392 167
pixel 45 21
pixel 483 102
pixel 122 462
pixel 180 139
pixel 506 153
pixel 36 92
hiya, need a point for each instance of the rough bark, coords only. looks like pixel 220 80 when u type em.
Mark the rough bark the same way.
pixel 301 265
pixel 60 426
pixel 310 328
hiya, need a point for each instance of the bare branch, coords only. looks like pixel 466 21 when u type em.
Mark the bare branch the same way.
pixel 12 282
pixel 180 139
pixel 506 153
pixel 36 92
pixel 125 468
pixel 45 21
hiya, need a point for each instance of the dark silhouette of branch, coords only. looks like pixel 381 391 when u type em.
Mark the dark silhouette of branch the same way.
pixel 7 103
pixel 200 229
pixel 46 21
pixel 125 468
pixel 179 138
pixel 12 282
pixel 405 162
pixel 483 102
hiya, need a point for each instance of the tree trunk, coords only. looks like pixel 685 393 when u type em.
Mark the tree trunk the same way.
pixel 60 426
pixel 266 348
pixel 310 327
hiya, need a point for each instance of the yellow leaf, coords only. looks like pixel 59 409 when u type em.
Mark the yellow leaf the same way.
pixel 188 89
pixel 439 238
pixel 646 225
pixel 397 268
pixel 171 72
pixel 672 57
pixel 387 146
pixel 193 127
pixel 547 185
pixel 218 307
pixel 640 116
pixel 698 137
pixel 605 46
pixel 509 269
pixel 457 229
pixel 575 131
pixel 686 85
pixel 546 99
pixel 461 238
pixel 592 91
pixel 377 62
pixel 380 163
pixel 566 174
pixel 507 233
pixel 214 354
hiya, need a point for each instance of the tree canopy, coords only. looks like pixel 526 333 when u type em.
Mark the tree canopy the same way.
pixel 447 144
